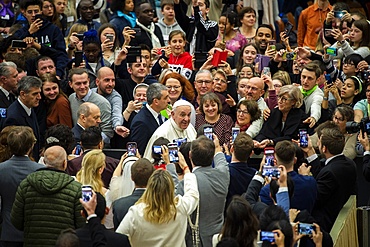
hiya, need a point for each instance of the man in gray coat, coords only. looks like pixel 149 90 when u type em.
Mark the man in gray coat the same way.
pixel 213 184
pixel 20 141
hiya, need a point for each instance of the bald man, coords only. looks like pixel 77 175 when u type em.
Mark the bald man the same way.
pixel 88 115
pixel 254 90
pixel 54 193
pixel 105 83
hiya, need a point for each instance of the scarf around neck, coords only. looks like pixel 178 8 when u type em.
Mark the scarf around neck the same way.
pixel 131 18
pixel 154 39
pixel 307 93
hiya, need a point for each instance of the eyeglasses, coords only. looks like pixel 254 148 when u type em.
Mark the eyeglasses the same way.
pixel 85 8
pixel 348 64
pixel 254 89
pixel 242 112
pixel 173 87
pixel 220 80
pixel 340 119
pixel 200 82
pixel 283 99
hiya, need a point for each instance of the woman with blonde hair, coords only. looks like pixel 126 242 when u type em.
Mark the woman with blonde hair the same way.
pixel 159 218
pixel 92 166
pixel 72 41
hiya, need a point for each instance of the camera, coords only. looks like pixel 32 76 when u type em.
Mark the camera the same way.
pixel 290 56
pixel 305 229
pixel 354 127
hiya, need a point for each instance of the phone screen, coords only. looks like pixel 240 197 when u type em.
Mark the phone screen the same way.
pixel 3 112
pixel 86 193
pixel 303 138
pixel 270 156
pixel 208 131
pixel 173 152
pixel 271 171
pixel 131 148
pixel 180 141
pixel 305 229
pixel 235 132
pixel 157 149
pixel 267 236
pixel 78 149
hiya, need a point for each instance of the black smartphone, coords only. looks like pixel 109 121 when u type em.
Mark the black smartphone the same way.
pixel 305 229
pixel 39 16
pixel 133 54
pixel 78 58
pixel 19 44
pixel 270 156
pixel 137 30
pixel 80 36
pixel 208 131
pixel 86 193
pixel 157 149
pixel 288 29
pixel 131 148
pixel 110 37
pixel 173 152
pixel 267 236
pixel 303 138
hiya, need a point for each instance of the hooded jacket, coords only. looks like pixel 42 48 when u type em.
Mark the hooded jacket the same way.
pixel 167 29
pixel 46 202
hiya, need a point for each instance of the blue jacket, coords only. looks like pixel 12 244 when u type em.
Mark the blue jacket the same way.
pixel 119 23
pixel 52 44
pixel 305 192
pixel 240 177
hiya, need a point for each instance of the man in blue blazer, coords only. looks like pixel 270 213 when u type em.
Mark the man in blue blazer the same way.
pixel 141 171
pixel 12 172
pixel 149 118
pixel 21 112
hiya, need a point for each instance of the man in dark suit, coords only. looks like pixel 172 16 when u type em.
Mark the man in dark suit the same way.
pixel 336 178
pixel 141 170
pixel 240 173
pixel 305 187
pixel 213 185
pixel 8 87
pixel 149 118
pixel 12 172
pixel 88 115
pixel 91 139
pixel 21 113
pixel 94 231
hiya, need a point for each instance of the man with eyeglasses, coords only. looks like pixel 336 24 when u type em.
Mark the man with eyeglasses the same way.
pixel 203 84
pixel 42 35
pixel 254 90
pixel 85 9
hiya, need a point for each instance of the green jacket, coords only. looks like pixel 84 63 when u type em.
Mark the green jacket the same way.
pixel 47 202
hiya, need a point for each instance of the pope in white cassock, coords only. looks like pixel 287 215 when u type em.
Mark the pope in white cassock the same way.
pixel 178 126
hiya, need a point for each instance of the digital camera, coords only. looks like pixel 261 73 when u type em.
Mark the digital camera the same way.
pixel 354 127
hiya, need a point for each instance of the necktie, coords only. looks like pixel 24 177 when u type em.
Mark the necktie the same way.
pixel 160 119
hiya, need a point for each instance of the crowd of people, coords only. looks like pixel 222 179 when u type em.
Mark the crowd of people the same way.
pixel 240 123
